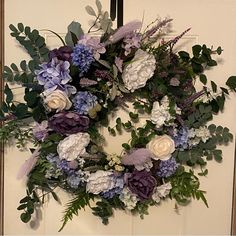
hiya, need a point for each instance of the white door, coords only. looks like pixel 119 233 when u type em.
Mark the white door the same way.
pixel 213 23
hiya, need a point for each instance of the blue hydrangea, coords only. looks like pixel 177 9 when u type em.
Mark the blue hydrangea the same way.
pixel 54 75
pixel 167 168
pixel 82 57
pixel 181 139
pixel 74 181
pixel 63 165
pixel 83 102
pixel 119 185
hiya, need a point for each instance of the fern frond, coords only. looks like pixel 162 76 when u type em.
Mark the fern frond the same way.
pixel 77 203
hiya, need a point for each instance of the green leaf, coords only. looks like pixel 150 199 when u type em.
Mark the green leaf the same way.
pixel 21 110
pixel 54 195
pixel 14 67
pixel 31 98
pixel 20 27
pixel 9 94
pixel 21 207
pixel 23 65
pixel 90 11
pixel 231 82
pixel 25 217
pixel 196 50
pixel 126 146
pixel 75 28
pixel 203 79
pixel 13 28
pixel 219 50
pixel 184 55
pixel 99 6
pixel 214 86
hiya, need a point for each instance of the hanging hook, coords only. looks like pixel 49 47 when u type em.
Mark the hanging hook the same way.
pixel 117 8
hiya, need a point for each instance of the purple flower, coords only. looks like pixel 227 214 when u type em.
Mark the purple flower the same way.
pixel 62 53
pixel 40 131
pixel 82 57
pixel 64 166
pixel 68 123
pixel 167 168
pixel 83 102
pixel 141 183
pixel 54 75
pixel 131 41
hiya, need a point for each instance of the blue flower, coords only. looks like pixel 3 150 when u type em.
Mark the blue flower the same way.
pixel 82 57
pixel 181 139
pixel 119 185
pixel 54 75
pixel 83 102
pixel 167 168
pixel 74 181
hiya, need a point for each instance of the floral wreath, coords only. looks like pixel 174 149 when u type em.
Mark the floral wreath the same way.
pixel 70 93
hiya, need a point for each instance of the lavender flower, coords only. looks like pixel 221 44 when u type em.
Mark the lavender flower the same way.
pixel 63 53
pixel 85 82
pixel 64 166
pixel 68 123
pixel 83 102
pixel 82 57
pixel 54 75
pixel 131 41
pixel 40 131
pixel 125 30
pixel 167 168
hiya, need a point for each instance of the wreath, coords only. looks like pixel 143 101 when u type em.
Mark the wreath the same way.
pixel 70 93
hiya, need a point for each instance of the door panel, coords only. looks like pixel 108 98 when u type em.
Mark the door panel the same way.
pixel 212 22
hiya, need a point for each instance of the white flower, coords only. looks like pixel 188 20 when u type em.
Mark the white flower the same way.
pixel 161 192
pixel 164 189
pixel 140 69
pixel 73 146
pixel 203 133
pixel 100 181
pixel 162 147
pixel 128 198
pixel 160 114
pixel 57 100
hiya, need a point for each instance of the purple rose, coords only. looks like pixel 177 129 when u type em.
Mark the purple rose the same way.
pixel 141 183
pixel 63 53
pixel 68 123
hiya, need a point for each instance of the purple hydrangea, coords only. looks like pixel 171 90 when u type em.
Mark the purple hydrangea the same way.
pixel 82 57
pixel 68 123
pixel 141 183
pixel 74 181
pixel 181 138
pixel 119 185
pixel 167 168
pixel 63 53
pixel 83 102
pixel 54 75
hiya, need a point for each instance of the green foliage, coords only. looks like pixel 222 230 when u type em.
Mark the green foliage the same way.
pixel 74 33
pixel 231 82
pixel 33 43
pixel 79 202
pixel 185 185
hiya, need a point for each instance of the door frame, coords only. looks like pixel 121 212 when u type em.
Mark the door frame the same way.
pixel 2 11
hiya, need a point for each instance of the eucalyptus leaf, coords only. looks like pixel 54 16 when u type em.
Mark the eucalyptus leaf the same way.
pixel 75 28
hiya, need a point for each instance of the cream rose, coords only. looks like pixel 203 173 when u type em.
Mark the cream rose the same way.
pixel 57 100
pixel 162 147
pixel 140 69
pixel 73 146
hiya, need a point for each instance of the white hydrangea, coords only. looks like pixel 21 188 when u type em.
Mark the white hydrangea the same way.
pixel 139 70
pixel 161 192
pixel 100 181
pixel 160 114
pixel 73 146
pixel 128 198
pixel 197 135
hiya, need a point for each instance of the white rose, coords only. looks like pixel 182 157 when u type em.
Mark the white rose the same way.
pixel 73 146
pixel 57 100
pixel 140 69
pixel 162 147
pixel 100 181
pixel 163 190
